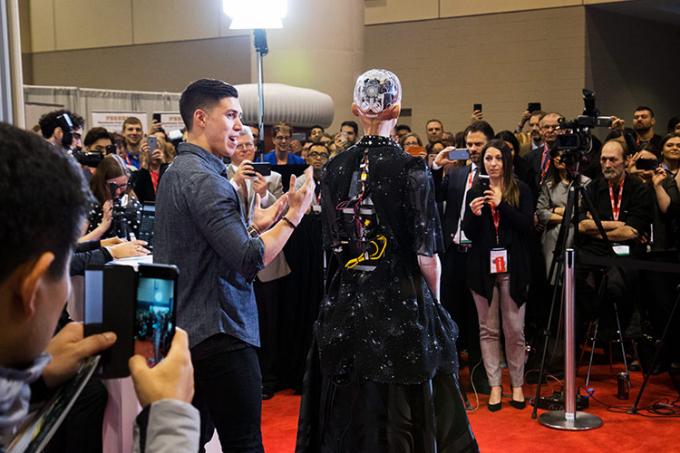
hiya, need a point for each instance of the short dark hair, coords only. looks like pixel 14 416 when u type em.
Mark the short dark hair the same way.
pixel 352 124
pixel 44 196
pixel 131 120
pixel 403 127
pixel 49 122
pixel 672 123
pixel 316 126
pixel 644 107
pixel 480 126
pixel 435 120
pixel 320 145
pixel 282 127
pixel 94 134
pixel 203 94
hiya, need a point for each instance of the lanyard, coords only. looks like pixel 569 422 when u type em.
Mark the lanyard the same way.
pixel 545 162
pixel 616 209
pixel 496 216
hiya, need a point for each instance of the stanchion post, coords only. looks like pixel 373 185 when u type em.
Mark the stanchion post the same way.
pixel 569 419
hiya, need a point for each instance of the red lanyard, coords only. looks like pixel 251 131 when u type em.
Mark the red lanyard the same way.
pixel 496 216
pixel 616 209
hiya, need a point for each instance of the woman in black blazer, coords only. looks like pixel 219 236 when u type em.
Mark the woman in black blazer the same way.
pixel 499 222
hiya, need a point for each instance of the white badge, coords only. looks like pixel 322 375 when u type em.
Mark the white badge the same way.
pixel 316 208
pixel 498 261
pixel 621 250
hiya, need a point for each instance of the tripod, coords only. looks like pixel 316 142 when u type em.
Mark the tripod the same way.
pixel 576 193
pixel 657 353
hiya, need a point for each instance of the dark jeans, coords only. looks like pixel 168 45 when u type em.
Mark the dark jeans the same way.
pixel 228 394
pixel 268 295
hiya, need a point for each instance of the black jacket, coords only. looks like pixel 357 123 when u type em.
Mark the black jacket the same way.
pixel 144 186
pixel 452 190
pixel 515 230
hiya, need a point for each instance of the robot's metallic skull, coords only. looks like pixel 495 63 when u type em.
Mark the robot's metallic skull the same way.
pixel 376 90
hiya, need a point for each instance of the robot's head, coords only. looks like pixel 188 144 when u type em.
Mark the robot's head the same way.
pixel 376 90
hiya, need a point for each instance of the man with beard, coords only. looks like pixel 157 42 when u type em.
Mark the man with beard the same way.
pixel 625 207
pixel 643 124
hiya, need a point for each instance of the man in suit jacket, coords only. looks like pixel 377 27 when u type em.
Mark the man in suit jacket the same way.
pixel 455 294
pixel 268 285
pixel 539 158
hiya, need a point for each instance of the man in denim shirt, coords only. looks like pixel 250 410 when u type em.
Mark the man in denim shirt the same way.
pixel 200 227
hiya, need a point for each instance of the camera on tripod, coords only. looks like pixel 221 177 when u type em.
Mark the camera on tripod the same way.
pixel 118 212
pixel 575 142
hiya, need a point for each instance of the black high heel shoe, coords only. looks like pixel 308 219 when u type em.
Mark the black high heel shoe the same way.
pixel 495 407
pixel 518 404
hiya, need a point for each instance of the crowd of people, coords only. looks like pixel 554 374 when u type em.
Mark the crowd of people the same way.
pixel 500 202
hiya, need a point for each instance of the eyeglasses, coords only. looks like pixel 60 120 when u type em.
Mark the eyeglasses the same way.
pixel 315 155
pixel 245 145
pixel 108 149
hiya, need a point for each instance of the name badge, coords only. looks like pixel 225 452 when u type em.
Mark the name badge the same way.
pixel 621 250
pixel 316 209
pixel 498 261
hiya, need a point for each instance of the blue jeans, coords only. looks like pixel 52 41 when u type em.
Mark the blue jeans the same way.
pixel 228 393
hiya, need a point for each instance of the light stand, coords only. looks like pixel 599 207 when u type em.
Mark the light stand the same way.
pixel 569 419
pixel 261 48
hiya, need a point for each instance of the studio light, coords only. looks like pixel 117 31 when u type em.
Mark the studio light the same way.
pixel 255 13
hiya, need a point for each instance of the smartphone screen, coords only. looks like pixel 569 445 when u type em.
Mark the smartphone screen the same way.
pixel 153 143
pixel 459 154
pixel 263 168
pixel 155 311
pixel 93 312
pixel 483 181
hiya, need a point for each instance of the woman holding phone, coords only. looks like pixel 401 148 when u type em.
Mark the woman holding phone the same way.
pixel 499 222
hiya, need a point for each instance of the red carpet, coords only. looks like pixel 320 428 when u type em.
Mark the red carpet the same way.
pixel 511 430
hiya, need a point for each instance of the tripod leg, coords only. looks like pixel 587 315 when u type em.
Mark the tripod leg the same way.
pixel 657 353
pixel 592 353
pixel 620 332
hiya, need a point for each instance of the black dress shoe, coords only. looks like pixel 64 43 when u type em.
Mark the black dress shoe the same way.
pixel 518 404
pixel 494 407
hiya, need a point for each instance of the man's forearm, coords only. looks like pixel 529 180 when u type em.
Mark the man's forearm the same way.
pixel 275 239
pixel 624 233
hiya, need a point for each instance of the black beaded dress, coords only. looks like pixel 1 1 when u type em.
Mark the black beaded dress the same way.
pixel 382 373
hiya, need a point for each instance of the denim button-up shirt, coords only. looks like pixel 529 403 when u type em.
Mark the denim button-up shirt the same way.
pixel 199 228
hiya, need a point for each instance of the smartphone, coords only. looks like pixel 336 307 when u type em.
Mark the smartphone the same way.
pixel 155 311
pixel 476 107
pixel 646 164
pixel 483 182
pixel 153 143
pixel 93 304
pixel 459 154
pixel 533 107
pixel 416 150
pixel 108 306
pixel 263 168
pixel 156 117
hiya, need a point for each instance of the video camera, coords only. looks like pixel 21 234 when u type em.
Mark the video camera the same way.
pixel 574 143
pixel 93 158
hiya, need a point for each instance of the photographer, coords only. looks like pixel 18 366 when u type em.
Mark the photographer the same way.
pixel 552 201
pixel 38 186
pixel 55 129
pixel 498 222
pixel 116 205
